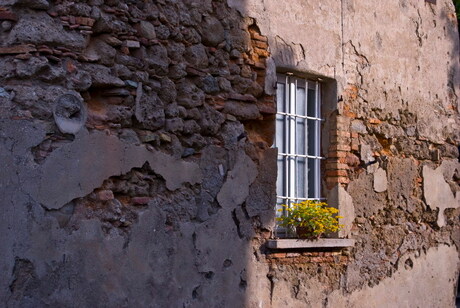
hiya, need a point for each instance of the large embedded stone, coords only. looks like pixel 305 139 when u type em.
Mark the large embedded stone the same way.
pixel 339 198
pixel 39 28
pixel 149 110
pixel 102 76
pixel 189 95
pixel 380 180
pixel 242 111
pixel 212 31
pixel 69 114
pixel 99 50
pixel 146 29
pixel 196 56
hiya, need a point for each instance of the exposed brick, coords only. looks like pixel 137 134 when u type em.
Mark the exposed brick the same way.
pixel 140 200
pixel 262 52
pixel 336 166
pixel 292 254
pixel 7 15
pixel 277 255
pixel 336 154
pixel 374 121
pixel 260 44
pixel 340 147
pixel 258 37
pixel 17 49
pixel 335 173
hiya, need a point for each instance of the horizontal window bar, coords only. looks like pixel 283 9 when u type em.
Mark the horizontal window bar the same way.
pixel 298 198
pixel 299 116
pixel 301 155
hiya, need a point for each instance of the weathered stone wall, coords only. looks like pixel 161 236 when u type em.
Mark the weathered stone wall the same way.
pixel 137 169
pixel 127 164
pixel 391 144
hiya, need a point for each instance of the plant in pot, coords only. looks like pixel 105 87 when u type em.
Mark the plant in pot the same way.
pixel 310 218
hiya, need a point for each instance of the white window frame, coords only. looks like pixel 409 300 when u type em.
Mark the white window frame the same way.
pixel 291 153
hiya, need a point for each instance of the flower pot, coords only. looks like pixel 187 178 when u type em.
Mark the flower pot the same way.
pixel 306 233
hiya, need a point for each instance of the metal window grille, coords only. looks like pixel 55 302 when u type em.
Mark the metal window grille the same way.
pixel 298 139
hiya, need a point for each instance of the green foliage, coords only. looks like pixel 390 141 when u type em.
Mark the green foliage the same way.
pixel 457 8
pixel 313 216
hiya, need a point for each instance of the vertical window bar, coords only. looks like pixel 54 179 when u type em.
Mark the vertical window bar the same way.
pixel 294 132
pixel 286 140
pixel 305 165
pixel 318 141
pixel 292 90
pixel 307 193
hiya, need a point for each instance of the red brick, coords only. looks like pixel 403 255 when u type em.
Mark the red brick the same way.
pixel 337 154
pixel 140 200
pixel 7 15
pixel 258 37
pixel 277 255
pixel 17 49
pixel 260 44
pixel 340 147
pixel 336 173
pixel 374 121
pixel 336 166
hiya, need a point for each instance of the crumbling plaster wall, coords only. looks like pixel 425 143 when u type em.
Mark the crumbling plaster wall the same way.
pixel 390 141
pixel 131 135
pixel 153 183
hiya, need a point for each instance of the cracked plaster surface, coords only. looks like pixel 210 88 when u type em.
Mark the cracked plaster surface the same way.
pixel 437 192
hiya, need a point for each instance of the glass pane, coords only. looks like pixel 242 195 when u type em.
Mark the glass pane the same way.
pixel 279 202
pixel 301 177
pixel 280 179
pixel 280 97
pixel 301 136
pixel 280 133
pixel 300 101
pixel 311 108
pixel 312 136
pixel 311 177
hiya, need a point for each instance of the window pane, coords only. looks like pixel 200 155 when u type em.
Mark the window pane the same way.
pixel 301 136
pixel 301 177
pixel 300 101
pixel 280 97
pixel 312 136
pixel 311 108
pixel 279 202
pixel 311 178
pixel 280 179
pixel 280 133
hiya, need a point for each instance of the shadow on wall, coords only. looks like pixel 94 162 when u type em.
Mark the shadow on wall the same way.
pixel 453 77
pixel 158 199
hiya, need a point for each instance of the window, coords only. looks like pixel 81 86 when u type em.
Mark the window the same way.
pixel 298 132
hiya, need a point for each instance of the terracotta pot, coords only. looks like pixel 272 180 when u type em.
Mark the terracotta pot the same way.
pixel 306 233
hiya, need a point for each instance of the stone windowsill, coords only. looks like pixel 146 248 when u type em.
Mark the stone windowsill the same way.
pixel 303 243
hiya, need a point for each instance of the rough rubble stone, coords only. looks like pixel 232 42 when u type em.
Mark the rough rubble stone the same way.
pixel 212 31
pixel 40 28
